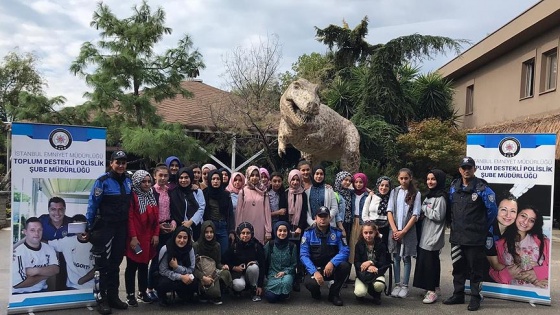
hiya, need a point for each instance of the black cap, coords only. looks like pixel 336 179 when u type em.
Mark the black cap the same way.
pixel 118 155
pixel 467 161
pixel 323 211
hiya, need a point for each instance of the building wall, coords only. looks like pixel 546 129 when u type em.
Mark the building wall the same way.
pixel 497 86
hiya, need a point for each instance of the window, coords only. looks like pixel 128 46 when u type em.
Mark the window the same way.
pixel 470 100
pixel 549 71
pixel 528 78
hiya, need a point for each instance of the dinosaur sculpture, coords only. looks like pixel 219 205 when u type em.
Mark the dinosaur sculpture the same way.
pixel 319 132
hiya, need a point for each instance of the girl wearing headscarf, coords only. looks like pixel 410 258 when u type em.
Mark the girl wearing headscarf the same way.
pixel 236 182
pixel 253 206
pixel 207 245
pixel 176 266
pixel 342 184
pixel 143 232
pixel 281 260
pixel 246 261
pixel 320 195
pixel 359 197
pixel 375 207
pixel 225 176
pixel 205 169
pixel 219 210
pixel 277 198
pixel 265 179
pixel 297 218
pixel 187 204
pixel 428 266
pixel 173 164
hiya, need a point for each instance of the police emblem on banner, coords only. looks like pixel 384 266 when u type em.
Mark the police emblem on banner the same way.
pixel 60 139
pixel 489 242
pixel 509 147
pixel 474 196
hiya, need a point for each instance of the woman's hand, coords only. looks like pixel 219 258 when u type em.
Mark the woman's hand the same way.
pixel 173 263
pixel 187 224
pixel 206 281
pixel 187 279
pixel 365 265
pixel 134 242
pixel 225 267
pixel 258 291
pixel 297 232
pixel 280 274
pixel 155 240
pixel 514 271
pixel 372 269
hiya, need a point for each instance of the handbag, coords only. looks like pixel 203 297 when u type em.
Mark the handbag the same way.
pixel 207 266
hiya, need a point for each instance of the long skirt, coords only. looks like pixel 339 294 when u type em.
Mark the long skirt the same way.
pixel 355 234
pixel 428 269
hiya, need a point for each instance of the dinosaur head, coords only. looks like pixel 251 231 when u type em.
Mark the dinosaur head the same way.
pixel 300 102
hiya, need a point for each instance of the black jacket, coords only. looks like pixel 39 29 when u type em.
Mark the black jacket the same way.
pixel 379 260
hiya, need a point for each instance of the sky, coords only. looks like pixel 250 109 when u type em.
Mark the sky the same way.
pixel 54 30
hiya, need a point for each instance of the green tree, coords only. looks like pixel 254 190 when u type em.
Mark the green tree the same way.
pixel 20 80
pixel 431 144
pixel 127 75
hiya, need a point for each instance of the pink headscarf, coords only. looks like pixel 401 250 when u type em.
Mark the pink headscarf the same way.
pixel 250 170
pixel 230 187
pixel 294 206
pixel 363 177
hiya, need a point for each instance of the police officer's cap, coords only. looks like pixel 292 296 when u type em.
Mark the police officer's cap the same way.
pixel 323 211
pixel 118 155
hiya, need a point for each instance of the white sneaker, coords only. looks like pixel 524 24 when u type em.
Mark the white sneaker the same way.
pixel 430 297
pixel 396 290
pixel 403 292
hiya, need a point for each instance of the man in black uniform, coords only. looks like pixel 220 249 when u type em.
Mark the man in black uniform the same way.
pixel 324 253
pixel 473 211
pixel 107 216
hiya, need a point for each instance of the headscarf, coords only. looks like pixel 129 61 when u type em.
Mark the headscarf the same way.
pixel 250 170
pixel 312 176
pixel 145 198
pixel 439 190
pixel 217 193
pixel 382 209
pixel 363 177
pixel 173 177
pixel 204 245
pixel 230 187
pixel 345 193
pixel 187 191
pixel 241 227
pixel 264 171
pixel 281 244
pixel 181 254
pixel 295 197
pixel 210 167
pixel 223 169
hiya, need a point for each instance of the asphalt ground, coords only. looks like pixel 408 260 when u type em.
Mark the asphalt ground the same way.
pixel 302 304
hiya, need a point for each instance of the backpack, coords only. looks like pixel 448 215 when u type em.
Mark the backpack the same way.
pixel 207 266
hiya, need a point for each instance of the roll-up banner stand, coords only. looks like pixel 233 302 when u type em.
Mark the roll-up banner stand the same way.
pixel 53 170
pixel 520 170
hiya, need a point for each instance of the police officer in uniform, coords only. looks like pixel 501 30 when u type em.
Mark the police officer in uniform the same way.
pixel 324 253
pixel 473 211
pixel 107 218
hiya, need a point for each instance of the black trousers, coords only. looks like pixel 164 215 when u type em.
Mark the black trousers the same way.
pixel 154 264
pixel 130 272
pixel 108 246
pixel 468 263
pixel 165 285
pixel 339 275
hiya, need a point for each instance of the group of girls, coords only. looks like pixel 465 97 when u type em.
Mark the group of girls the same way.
pixel 204 211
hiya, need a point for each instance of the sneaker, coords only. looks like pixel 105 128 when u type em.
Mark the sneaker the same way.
pixel 152 294
pixel 131 300
pixel 217 301
pixel 396 290
pixel 403 292
pixel 430 297
pixel 256 298
pixel 143 297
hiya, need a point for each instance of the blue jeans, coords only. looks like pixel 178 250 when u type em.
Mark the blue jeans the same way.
pixel 397 267
pixel 221 235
